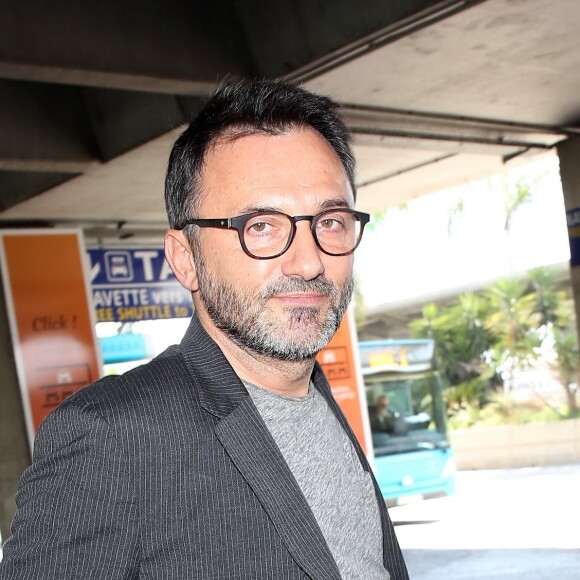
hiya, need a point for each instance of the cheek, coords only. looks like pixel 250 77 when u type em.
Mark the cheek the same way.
pixel 228 260
pixel 222 251
pixel 338 269
pixel 257 273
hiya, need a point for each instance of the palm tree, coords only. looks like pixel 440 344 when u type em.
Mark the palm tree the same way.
pixel 432 326
pixel 460 339
pixel 455 215
pixel 547 299
pixel 556 312
pixel 513 324
pixel 567 366
pixel 471 313
pixel 515 198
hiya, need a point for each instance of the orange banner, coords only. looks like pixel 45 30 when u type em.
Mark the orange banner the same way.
pixel 51 318
pixel 341 366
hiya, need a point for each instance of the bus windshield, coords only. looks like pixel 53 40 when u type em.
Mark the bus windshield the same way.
pixel 402 412
pixel 407 416
pixel 404 396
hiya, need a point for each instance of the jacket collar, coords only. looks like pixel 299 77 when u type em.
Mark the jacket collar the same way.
pixel 219 389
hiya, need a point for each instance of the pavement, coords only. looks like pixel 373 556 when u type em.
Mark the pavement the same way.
pixel 501 524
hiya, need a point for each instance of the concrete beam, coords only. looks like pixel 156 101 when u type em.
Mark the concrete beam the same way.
pixel 113 80
pixel 123 120
pixel 299 32
pixel 185 47
pixel 18 186
pixel 44 126
pixel 173 46
pixel 127 188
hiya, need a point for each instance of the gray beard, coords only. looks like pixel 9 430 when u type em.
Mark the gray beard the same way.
pixel 248 321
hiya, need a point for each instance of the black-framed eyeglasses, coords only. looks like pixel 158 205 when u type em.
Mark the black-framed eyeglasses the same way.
pixel 266 235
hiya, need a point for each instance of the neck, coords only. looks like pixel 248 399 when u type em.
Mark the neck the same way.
pixel 289 378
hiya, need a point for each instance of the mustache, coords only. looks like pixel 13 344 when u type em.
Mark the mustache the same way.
pixel 319 285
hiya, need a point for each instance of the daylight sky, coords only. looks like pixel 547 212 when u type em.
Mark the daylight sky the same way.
pixel 410 252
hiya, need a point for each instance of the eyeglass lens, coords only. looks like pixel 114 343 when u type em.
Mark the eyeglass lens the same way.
pixel 337 232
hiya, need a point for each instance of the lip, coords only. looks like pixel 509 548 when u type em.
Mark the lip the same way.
pixel 301 298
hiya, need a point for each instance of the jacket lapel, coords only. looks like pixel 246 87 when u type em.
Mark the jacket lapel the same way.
pixel 249 444
pixel 252 449
pixel 392 556
pixel 322 385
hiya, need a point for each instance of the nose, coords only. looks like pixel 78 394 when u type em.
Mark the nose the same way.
pixel 303 257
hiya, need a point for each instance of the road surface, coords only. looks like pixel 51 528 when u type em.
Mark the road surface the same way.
pixel 500 525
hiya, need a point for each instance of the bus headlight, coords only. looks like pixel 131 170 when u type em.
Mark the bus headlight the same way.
pixel 449 468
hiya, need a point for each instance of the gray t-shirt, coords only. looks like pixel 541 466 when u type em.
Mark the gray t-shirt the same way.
pixel 325 464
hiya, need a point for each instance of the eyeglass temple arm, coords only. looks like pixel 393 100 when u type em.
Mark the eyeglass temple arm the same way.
pixel 213 222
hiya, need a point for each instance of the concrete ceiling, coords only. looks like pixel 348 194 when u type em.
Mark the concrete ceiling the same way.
pixel 92 95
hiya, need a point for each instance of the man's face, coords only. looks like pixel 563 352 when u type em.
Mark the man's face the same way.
pixel 287 307
pixel 382 403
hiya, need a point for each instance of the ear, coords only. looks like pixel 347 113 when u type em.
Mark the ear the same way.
pixel 179 256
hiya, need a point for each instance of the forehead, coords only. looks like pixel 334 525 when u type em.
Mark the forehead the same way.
pixel 273 170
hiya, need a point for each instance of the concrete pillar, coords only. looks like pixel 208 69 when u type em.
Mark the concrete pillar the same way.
pixel 14 451
pixel 569 154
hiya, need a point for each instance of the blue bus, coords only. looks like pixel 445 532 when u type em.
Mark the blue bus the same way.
pixel 407 417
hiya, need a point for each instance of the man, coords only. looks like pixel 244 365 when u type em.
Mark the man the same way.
pixel 225 457
pixel 383 417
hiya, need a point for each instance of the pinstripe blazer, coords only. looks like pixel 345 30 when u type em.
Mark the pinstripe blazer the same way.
pixel 169 473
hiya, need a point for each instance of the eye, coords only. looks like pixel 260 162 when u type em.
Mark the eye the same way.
pixel 331 222
pixel 266 225
pixel 328 223
pixel 258 227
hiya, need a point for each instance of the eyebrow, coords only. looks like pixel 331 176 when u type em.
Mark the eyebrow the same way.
pixel 257 208
pixel 326 204
pixel 338 202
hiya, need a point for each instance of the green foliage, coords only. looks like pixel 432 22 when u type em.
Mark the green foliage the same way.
pixel 567 364
pixel 549 304
pixel 454 215
pixel 516 197
pixel 465 418
pixel 465 395
pixel 484 338
pixel 379 218
pixel 460 337
pixel 511 319
pixel 502 410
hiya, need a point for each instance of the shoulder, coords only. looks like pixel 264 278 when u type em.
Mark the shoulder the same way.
pixel 141 382
pixel 132 409
pixel 161 386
